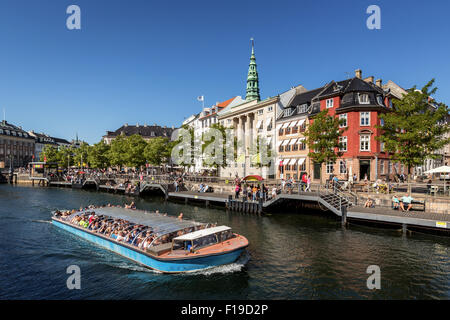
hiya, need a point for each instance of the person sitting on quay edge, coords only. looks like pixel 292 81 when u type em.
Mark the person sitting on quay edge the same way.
pixel 406 200
pixel 395 202
pixel 180 217
pixel 369 203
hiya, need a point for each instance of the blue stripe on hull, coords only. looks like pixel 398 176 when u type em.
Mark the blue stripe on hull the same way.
pixel 183 265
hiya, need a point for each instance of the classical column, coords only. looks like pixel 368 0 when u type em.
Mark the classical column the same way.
pixel 248 133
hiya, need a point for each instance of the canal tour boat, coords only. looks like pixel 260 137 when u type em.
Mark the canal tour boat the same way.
pixel 171 245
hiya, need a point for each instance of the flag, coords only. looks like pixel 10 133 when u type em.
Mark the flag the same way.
pixel 201 98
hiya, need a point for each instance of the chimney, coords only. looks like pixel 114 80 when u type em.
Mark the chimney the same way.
pixel 369 79
pixel 379 83
pixel 358 73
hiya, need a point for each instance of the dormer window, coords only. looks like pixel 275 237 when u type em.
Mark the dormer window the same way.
pixel 14 133
pixel 288 112
pixel 330 103
pixel 302 108
pixel 380 100
pixel 363 98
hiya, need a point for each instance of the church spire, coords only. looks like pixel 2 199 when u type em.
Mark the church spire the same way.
pixel 252 78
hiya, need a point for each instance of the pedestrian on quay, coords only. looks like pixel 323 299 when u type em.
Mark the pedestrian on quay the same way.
pixel 308 183
pixel 237 190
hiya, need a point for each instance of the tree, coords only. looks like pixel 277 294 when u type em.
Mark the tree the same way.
pixel 157 151
pixel 322 138
pixel 81 155
pixel 134 148
pixel 49 153
pixel 66 156
pixel 98 156
pixel 214 146
pixel 416 128
pixel 117 151
pixel 183 150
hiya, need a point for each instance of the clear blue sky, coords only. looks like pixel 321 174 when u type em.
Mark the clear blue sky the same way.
pixel 147 61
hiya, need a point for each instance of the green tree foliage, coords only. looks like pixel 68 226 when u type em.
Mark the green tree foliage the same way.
pixel 66 156
pixel 134 148
pixel 81 155
pixel 49 153
pixel 186 161
pixel 322 137
pixel 157 151
pixel 98 156
pixel 117 153
pixel 218 158
pixel 415 130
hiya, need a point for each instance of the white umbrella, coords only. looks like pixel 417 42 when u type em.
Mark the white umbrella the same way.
pixel 443 169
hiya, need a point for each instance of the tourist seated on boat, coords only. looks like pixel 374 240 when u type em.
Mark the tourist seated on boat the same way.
pixel 94 226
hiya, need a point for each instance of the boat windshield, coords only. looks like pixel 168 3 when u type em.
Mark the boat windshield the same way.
pixel 205 241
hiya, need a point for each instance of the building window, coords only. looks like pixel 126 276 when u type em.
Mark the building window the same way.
pixel 303 126
pixel 302 166
pixel 302 108
pixel 295 129
pixel 382 167
pixel 343 142
pixel 280 133
pixel 342 166
pixel 363 98
pixel 281 149
pixel 228 121
pixel 380 100
pixel 381 146
pixel 364 118
pixel 329 103
pixel 329 167
pixel 381 122
pixel 269 109
pixel 364 142
pixel 288 112
pixel 343 117
pixel 287 147
pixel 295 147
pixel 287 130
pixel 302 145
pixel 260 111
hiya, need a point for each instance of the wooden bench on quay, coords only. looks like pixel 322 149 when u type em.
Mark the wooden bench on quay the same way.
pixel 418 205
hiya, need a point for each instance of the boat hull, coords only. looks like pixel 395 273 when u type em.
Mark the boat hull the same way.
pixel 162 265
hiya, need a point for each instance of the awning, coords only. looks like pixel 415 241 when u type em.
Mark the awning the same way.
pixel 301 122
pixel 258 124
pixel 279 126
pixel 293 141
pixel 293 124
pixel 285 125
pixel 292 162
pixel 269 140
pixel 268 121
pixel 285 142
pixel 300 161
pixel 301 139
pixel 279 143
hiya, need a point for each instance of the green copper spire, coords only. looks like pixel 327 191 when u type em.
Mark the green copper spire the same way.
pixel 252 78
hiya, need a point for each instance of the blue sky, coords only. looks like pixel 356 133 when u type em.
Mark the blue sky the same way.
pixel 147 61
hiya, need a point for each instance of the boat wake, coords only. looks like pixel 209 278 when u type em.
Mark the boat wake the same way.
pixel 42 221
pixel 236 266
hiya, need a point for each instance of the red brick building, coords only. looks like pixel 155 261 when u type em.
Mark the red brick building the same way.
pixel 360 102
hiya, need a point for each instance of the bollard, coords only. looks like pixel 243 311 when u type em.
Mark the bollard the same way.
pixel 344 216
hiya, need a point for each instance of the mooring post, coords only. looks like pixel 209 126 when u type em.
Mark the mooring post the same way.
pixel 344 215
pixel 186 200
pixel 404 228
pixel 260 204
pixel 207 203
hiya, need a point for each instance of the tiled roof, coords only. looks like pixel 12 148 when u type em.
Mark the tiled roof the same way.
pixel 13 130
pixel 142 130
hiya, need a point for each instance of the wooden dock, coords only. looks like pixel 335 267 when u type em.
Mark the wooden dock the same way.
pixel 330 201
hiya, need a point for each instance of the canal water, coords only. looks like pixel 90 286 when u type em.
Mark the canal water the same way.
pixel 291 256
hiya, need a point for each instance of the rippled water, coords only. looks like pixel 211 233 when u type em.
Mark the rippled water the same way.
pixel 291 256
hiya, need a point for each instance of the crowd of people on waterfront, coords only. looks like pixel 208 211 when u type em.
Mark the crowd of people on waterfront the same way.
pixel 121 230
